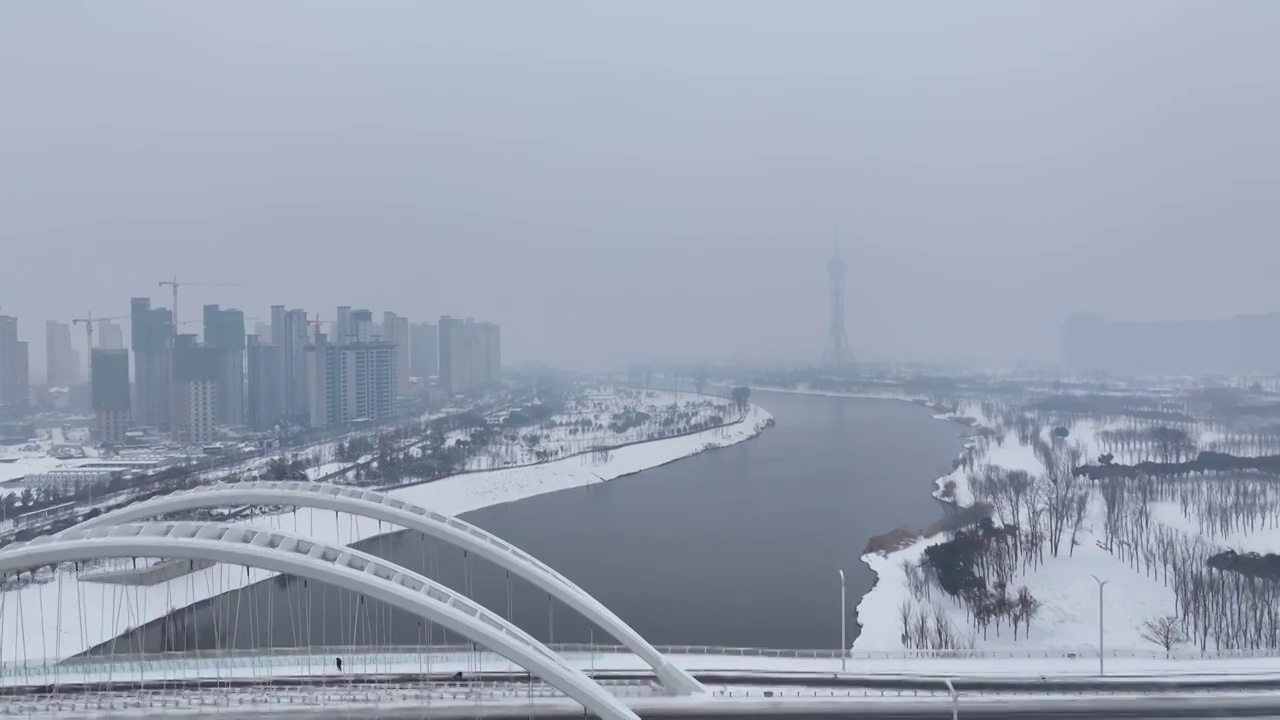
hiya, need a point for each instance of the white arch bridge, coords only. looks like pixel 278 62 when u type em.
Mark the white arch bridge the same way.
pixel 118 534
pixel 339 566
pixel 383 507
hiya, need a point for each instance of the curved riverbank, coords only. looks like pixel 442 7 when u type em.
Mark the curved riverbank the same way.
pixel 876 611
pixel 32 612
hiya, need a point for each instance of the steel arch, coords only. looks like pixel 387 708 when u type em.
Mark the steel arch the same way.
pixel 335 565
pixel 381 506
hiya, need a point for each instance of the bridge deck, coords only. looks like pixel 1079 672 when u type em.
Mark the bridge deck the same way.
pixel 409 663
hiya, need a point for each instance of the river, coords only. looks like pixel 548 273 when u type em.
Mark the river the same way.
pixel 738 547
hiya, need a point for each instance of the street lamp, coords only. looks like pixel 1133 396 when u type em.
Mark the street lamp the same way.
pixel 1101 585
pixel 844 647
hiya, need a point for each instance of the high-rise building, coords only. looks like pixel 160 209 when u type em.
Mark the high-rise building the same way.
pixel 196 376
pixel 289 333
pixel 62 367
pixel 263 331
pixel 450 331
pixel 395 330
pixel 109 336
pixel 342 330
pixel 361 328
pixel 15 381
pixel 492 352
pixel 353 381
pixel 224 332
pixel 470 354
pixel 151 331
pixel 424 350
pixel 109 380
pixel 265 399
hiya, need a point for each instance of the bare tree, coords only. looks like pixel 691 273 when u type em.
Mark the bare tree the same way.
pixel 1164 631
pixel 905 612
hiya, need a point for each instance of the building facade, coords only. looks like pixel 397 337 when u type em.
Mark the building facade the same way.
pixel 224 332
pixel 265 404
pixel 196 383
pixel 396 331
pixel 15 381
pixel 109 336
pixel 349 382
pixel 470 355
pixel 289 333
pixel 424 350
pixel 151 335
pixel 342 326
pixel 109 384
pixel 62 363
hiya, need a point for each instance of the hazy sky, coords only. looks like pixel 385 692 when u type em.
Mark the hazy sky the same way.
pixel 613 181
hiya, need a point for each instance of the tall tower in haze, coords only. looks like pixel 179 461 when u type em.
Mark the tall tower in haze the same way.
pixel 837 351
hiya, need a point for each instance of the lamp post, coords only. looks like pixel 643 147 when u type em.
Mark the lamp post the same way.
pixel 844 647
pixel 1101 584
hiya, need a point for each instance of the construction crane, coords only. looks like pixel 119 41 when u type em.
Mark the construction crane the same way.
pixel 88 320
pixel 175 285
pixel 315 324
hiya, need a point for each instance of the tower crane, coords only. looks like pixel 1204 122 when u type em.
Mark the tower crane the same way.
pixel 88 320
pixel 315 324
pixel 175 284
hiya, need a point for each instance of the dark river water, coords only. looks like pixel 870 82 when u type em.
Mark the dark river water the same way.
pixel 738 547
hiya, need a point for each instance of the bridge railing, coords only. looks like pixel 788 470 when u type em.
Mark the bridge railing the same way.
pixel 598 649
pixel 409 658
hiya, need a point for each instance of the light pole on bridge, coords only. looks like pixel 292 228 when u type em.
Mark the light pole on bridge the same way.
pixel 844 647
pixel 1101 585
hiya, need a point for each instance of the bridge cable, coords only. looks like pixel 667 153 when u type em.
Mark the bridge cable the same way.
pixel 84 619
pixel 510 665
pixel 22 628
pixel 4 596
pixel 57 636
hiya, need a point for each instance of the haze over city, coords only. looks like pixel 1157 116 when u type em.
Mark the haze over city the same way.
pixel 614 183
pixel 640 360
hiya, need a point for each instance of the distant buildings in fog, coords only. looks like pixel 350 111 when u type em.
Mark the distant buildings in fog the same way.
pixel 424 350
pixel 288 372
pixel 109 379
pixel 151 334
pixel 15 381
pixel 108 335
pixel 62 363
pixel 1242 344
pixel 470 354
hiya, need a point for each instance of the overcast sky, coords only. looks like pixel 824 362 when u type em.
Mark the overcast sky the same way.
pixel 617 181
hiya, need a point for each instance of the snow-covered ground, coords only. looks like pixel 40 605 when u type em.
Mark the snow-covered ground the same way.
pixel 591 420
pixel 63 617
pixel 1066 586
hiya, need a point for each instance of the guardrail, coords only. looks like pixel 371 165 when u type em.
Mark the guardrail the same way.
pixel 384 695
pixel 819 653
pixel 321 660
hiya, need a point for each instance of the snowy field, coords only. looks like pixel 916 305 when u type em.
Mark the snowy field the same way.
pixel 1147 537
pixel 62 616
pixel 606 416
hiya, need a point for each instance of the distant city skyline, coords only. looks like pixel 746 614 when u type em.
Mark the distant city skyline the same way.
pixel 604 202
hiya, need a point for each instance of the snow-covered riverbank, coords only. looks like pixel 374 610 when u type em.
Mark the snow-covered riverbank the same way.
pixel 65 617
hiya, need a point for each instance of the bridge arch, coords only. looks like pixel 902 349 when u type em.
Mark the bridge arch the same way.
pixel 340 566
pixel 380 506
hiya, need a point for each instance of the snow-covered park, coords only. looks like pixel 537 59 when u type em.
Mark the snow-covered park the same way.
pixel 1121 507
